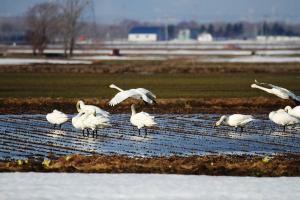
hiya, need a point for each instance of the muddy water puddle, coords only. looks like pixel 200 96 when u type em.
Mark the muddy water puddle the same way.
pixel 193 134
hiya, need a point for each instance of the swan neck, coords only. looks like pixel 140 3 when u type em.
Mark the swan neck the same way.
pixel 133 110
pixel 260 87
pixel 115 87
pixel 287 109
pixel 78 107
pixel 221 120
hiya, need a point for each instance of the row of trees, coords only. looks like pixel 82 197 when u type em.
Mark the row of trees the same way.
pixel 239 30
pixel 50 20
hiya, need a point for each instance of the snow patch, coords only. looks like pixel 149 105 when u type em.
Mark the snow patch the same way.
pixel 24 61
pixel 33 186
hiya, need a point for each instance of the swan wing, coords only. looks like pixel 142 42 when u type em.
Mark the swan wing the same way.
pixel 281 89
pixel 239 119
pixel 121 96
pixel 285 118
pixel 274 86
pixel 57 117
pixel 146 92
pixel 102 112
pixel 145 118
pixel 91 109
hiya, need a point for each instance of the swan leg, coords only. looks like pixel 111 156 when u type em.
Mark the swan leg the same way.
pixel 283 128
pixel 93 133
pixel 145 131
pixel 236 129
pixel 59 126
pixel 83 132
pixel 88 133
pixel 242 129
pixel 139 131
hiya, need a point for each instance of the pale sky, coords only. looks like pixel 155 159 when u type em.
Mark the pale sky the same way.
pixel 113 11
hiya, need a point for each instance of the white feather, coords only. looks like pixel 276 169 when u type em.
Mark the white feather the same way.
pixel 295 112
pixel 82 107
pixel 57 117
pixel 276 90
pixel 141 119
pixel 139 93
pixel 281 117
pixel 235 120
pixel 94 122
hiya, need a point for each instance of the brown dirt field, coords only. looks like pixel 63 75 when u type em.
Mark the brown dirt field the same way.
pixel 174 66
pixel 202 105
pixel 231 165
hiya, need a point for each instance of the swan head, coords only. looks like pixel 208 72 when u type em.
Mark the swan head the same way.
pixel 253 85
pixel 218 123
pixel 78 105
pixel 287 109
pixel 112 86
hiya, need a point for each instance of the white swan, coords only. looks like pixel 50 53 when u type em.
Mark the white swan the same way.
pixel 235 120
pixel 139 93
pixel 57 118
pixel 95 122
pixel 77 121
pixel 282 118
pixel 295 112
pixel 141 119
pixel 81 107
pixel 278 91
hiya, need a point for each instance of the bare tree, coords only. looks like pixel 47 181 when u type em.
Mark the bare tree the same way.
pixel 71 26
pixel 41 21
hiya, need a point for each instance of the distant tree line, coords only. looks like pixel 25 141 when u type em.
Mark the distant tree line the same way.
pixel 54 19
pixel 222 30
pixel 61 21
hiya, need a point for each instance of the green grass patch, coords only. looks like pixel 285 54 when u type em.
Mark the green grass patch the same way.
pixel 164 85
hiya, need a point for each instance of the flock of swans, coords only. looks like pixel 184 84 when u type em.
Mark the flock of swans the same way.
pixel 92 118
pixel 283 117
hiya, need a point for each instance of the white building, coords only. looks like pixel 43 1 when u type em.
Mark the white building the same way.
pixel 187 34
pixel 205 37
pixel 146 34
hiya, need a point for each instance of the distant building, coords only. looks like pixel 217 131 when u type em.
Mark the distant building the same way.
pixel 147 34
pixel 205 37
pixel 187 34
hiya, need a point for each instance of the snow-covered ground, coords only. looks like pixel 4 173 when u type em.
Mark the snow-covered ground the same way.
pixel 31 186
pixel 120 58
pixel 255 59
pixel 24 61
